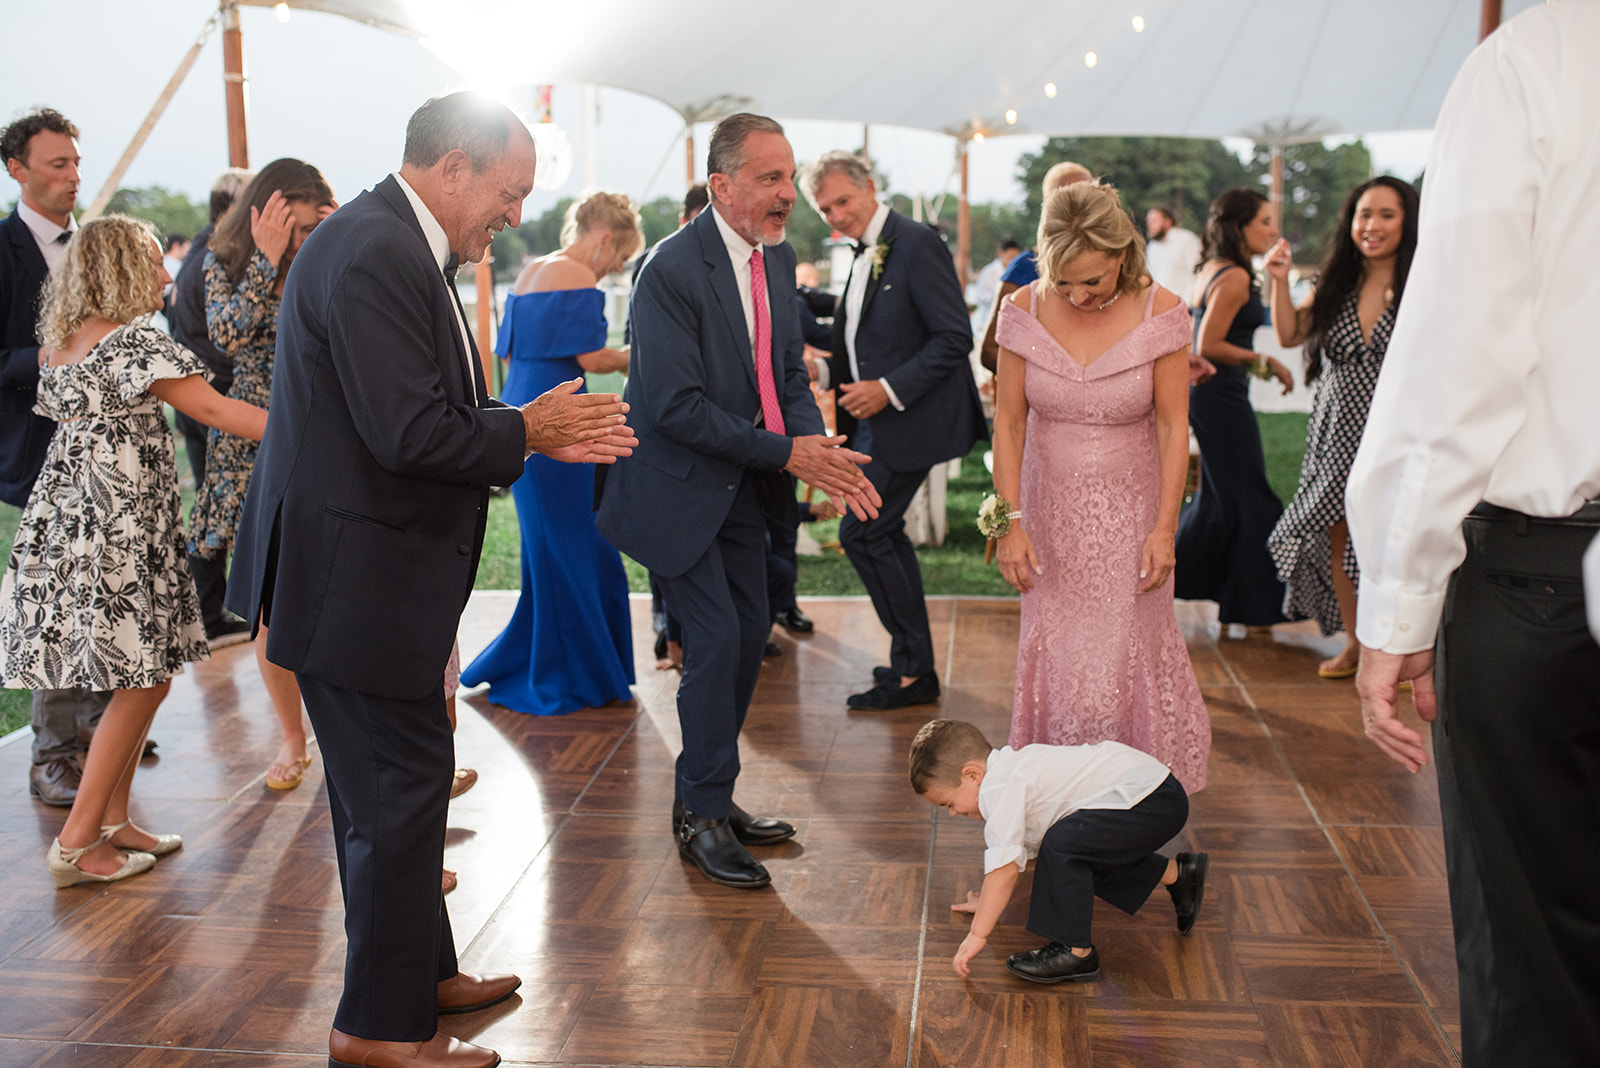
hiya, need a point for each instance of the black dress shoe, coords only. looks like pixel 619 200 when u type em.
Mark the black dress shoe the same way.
pixel 150 747
pixel 750 830
pixel 710 846
pixel 55 782
pixel 773 649
pixel 884 673
pixel 794 621
pixel 661 644
pixel 1189 889
pixel 891 695
pixel 1055 963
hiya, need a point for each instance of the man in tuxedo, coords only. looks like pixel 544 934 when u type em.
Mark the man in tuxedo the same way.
pixel 901 342
pixel 722 405
pixel 361 534
pixel 41 154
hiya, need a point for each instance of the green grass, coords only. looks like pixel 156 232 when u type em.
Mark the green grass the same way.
pixel 956 567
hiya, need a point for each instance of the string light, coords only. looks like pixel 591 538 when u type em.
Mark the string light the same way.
pixel 978 137
pixel 1050 90
pixel 1138 24
pixel 1090 59
pixel 282 11
pixel 1011 116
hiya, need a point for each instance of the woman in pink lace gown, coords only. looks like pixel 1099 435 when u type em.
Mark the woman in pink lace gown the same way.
pixel 1091 443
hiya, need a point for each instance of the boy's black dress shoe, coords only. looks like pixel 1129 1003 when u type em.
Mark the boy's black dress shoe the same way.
pixel 710 846
pixel 890 695
pixel 794 621
pixel 749 830
pixel 1054 963
pixel 1189 889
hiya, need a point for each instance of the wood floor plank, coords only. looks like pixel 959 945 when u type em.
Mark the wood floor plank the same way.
pixel 1325 936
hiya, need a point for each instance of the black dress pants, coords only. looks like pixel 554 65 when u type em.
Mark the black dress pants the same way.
pixel 884 558
pixel 1517 743
pixel 721 604
pixel 1105 853
pixel 389 765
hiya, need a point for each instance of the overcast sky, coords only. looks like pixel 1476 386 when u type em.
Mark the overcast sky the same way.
pixel 337 94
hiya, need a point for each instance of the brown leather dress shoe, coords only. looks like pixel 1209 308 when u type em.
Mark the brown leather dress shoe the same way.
pixel 440 1051
pixel 55 782
pixel 469 993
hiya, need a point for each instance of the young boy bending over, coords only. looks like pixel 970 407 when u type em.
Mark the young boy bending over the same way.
pixel 1092 815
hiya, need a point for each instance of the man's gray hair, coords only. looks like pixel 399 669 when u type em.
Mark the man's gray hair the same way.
pixel 849 164
pixel 726 154
pixel 472 122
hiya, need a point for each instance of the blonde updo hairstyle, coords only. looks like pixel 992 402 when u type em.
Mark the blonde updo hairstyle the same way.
pixel 1088 217
pixel 604 211
pixel 107 273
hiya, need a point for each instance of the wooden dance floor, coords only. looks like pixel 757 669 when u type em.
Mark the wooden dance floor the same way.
pixel 1324 937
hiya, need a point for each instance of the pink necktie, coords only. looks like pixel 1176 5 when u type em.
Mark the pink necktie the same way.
pixel 771 413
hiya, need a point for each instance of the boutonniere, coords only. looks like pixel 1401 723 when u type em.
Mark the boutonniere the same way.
pixel 879 254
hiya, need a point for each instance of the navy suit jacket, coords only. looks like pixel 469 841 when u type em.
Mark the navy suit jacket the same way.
pixel 693 400
pixel 24 437
pixel 914 331
pixel 365 516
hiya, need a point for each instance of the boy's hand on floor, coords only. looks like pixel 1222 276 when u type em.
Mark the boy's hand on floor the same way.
pixel 969 905
pixel 971 946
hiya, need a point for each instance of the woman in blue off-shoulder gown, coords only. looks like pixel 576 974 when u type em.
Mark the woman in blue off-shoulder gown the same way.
pixel 569 644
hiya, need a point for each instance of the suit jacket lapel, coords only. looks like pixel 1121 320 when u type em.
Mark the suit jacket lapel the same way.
pixel 875 279
pixel 726 287
pixel 28 254
pixel 470 374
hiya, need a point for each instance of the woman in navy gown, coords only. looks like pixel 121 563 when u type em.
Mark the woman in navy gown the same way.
pixel 1222 536
pixel 569 644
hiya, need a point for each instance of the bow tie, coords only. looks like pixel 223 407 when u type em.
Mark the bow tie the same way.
pixel 450 266
pixel 63 237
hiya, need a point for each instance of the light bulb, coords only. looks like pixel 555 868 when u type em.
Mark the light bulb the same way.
pixel 1011 116
pixel 282 11
pixel 1090 59
pixel 1138 24
pixel 1050 90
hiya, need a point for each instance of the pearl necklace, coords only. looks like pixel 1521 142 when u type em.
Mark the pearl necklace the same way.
pixel 1102 307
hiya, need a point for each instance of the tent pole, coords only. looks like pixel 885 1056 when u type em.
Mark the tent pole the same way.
pixel 963 219
pixel 484 277
pixel 1277 186
pixel 235 86
pixel 688 153
pixel 109 189
pixel 1488 18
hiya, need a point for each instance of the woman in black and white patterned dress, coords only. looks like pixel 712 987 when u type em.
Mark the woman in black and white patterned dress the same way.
pixel 1345 324
pixel 97 593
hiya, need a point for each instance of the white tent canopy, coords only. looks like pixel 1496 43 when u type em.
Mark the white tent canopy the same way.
pixel 1275 71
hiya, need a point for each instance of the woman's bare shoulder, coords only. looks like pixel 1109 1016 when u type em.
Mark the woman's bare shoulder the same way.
pixel 554 273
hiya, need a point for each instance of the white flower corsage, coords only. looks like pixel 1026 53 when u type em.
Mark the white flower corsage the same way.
pixel 878 255
pixel 994 517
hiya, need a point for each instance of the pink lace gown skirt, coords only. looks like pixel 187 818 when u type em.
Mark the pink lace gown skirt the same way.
pixel 1097 659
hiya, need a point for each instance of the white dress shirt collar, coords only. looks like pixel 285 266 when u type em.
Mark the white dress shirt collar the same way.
pixel 46 234
pixel 438 243
pixel 739 251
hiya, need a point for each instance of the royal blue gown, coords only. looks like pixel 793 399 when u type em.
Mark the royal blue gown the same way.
pixel 569 644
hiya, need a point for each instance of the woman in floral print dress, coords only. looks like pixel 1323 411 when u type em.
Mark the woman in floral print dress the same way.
pixel 246 265
pixel 97 593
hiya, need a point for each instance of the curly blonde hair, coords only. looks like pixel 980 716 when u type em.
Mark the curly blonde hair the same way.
pixel 107 273
pixel 1089 217
pixel 604 211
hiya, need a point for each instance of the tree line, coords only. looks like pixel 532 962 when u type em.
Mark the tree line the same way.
pixel 1181 174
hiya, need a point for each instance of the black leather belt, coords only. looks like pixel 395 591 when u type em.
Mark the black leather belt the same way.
pixel 1586 516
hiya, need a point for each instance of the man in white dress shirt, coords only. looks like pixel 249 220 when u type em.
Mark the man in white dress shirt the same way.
pixel 1471 502
pixel 1171 252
